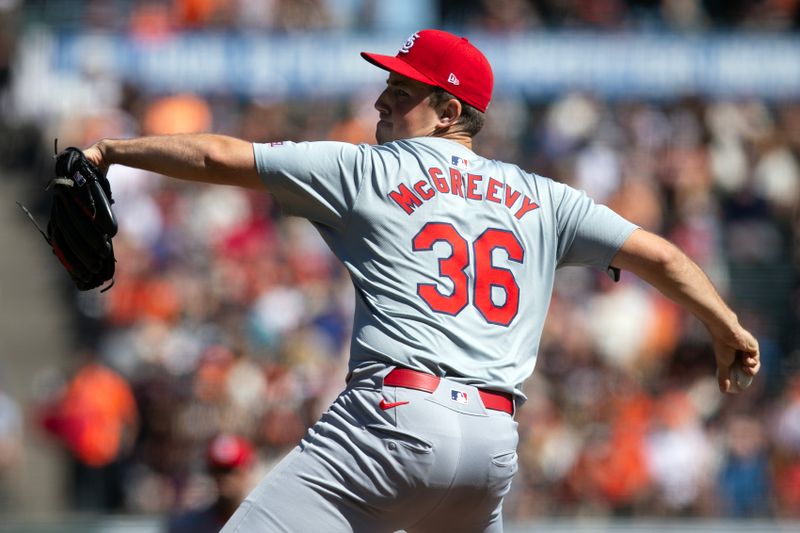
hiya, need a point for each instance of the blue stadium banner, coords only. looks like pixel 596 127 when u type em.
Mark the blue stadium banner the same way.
pixel 536 65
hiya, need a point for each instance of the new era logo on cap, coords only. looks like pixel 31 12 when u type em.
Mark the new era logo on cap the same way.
pixel 443 60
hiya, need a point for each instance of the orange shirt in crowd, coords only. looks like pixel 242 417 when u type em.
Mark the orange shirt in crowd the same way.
pixel 93 413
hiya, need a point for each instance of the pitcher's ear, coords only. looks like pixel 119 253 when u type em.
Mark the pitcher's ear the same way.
pixel 450 112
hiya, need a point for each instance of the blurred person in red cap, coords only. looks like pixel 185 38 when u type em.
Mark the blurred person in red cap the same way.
pixel 230 460
pixel 453 258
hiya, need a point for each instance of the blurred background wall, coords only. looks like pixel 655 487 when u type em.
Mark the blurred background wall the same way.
pixel 682 115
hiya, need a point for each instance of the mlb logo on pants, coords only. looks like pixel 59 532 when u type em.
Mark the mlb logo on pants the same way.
pixel 458 396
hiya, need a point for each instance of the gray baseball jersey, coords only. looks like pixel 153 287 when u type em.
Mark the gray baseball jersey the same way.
pixel 452 255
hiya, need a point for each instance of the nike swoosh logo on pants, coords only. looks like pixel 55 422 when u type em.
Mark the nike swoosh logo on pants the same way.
pixel 384 405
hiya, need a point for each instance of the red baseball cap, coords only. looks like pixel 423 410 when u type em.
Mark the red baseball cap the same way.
pixel 444 60
pixel 226 452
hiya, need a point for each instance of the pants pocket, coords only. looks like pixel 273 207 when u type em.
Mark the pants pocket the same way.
pixel 393 437
pixel 405 459
pixel 502 469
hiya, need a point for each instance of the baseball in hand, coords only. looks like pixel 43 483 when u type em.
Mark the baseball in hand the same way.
pixel 740 380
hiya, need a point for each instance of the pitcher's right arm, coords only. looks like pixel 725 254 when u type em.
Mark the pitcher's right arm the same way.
pixel 664 266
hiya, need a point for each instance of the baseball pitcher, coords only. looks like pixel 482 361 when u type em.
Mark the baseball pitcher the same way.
pixel 452 257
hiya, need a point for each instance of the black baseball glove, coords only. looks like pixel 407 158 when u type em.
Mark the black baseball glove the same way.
pixel 81 224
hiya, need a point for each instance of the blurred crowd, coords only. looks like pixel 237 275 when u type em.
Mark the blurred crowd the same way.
pixel 226 317
pixel 151 17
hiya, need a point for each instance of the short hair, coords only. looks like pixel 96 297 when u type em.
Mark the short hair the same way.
pixel 471 119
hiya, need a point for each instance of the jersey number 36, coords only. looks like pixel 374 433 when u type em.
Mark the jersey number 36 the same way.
pixel 486 275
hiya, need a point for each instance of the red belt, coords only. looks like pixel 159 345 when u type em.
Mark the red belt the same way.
pixel 413 379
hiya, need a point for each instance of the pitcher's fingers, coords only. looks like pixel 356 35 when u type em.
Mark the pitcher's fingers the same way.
pixel 752 370
pixel 749 361
pixel 724 378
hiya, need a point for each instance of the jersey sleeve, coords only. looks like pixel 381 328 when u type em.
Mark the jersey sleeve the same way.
pixel 314 180
pixel 588 234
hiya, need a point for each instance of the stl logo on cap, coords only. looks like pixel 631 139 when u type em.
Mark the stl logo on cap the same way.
pixel 409 43
pixel 441 59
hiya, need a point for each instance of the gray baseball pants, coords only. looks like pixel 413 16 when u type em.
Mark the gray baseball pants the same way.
pixel 441 462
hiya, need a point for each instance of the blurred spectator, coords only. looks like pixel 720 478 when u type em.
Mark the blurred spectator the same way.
pixel 679 457
pixel 230 461
pixel 744 478
pixel 95 418
pixel 301 14
pixel 185 113
pixel 10 448
pixel 8 31
pixel 786 459
pixel 246 389
pixel 620 337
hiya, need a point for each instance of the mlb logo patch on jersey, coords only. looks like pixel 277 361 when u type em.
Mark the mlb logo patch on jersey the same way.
pixel 460 163
pixel 458 396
